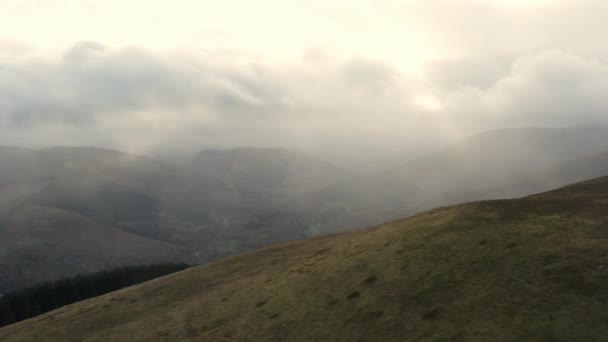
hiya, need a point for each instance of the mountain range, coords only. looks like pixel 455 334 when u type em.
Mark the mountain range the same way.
pixel 71 210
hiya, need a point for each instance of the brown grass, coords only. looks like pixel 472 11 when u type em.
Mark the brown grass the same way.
pixel 517 270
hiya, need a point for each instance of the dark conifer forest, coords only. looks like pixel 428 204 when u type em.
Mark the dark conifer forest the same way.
pixel 36 300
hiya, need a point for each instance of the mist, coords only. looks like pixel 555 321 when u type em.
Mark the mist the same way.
pixel 213 137
pixel 303 170
pixel 320 93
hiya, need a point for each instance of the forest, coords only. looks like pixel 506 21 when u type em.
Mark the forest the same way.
pixel 44 297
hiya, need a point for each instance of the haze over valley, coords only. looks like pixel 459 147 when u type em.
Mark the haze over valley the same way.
pixel 416 170
pixel 83 209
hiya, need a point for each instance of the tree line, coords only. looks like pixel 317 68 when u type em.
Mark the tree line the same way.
pixel 44 297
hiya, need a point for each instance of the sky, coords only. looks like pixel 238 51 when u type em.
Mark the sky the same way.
pixel 354 79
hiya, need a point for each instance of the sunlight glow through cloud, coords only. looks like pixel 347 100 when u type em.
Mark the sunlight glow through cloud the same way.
pixel 352 74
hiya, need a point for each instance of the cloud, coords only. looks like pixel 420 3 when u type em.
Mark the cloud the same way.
pixel 140 100
pixel 551 88
pixel 89 82
pixel 486 27
pixel 479 71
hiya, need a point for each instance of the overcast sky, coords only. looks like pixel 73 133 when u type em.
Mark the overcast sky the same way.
pixel 330 77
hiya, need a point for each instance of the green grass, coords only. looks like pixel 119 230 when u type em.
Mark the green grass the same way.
pixel 533 269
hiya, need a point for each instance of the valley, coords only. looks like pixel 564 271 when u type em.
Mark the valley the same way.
pixel 523 269
pixel 65 211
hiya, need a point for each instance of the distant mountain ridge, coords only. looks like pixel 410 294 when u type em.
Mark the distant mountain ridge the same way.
pixel 266 170
pixel 225 202
pixel 494 164
pixel 146 210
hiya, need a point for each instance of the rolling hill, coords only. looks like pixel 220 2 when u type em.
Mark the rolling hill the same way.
pixel 533 268
pixel 40 243
pixel 59 205
pixel 587 167
pixel 268 171
pixel 65 211
pixel 71 210
pixel 506 163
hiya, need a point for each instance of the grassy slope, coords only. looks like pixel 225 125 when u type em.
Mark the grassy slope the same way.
pixel 221 205
pixel 45 243
pixel 528 269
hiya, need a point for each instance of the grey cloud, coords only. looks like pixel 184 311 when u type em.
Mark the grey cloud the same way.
pixel 362 71
pixel 91 81
pixel 138 100
pixel 83 51
pixel 479 71
pixel 552 88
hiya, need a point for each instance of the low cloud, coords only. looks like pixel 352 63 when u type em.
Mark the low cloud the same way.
pixel 165 103
pixel 136 99
pixel 551 88
pixel 89 82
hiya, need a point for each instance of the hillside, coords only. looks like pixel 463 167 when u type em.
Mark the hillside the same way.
pixel 65 211
pixel 61 207
pixel 72 209
pixel 505 163
pixel 266 170
pixel 43 243
pixel 587 167
pixel 506 270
